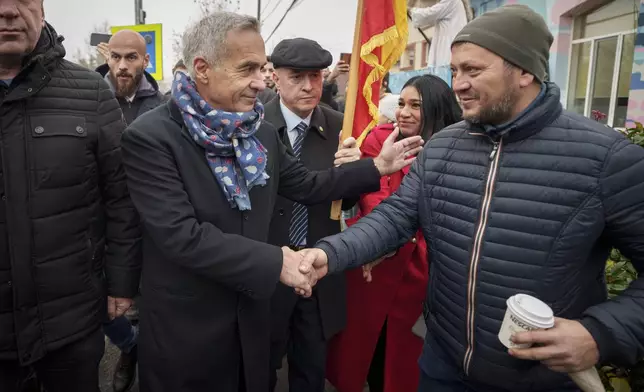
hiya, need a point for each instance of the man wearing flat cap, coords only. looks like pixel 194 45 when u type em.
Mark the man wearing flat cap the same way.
pixel 302 326
pixel 522 197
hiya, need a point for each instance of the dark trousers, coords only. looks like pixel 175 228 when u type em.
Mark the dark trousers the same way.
pixel 431 384
pixel 242 377
pixel 304 345
pixel 428 384
pixel 73 368
pixel 376 376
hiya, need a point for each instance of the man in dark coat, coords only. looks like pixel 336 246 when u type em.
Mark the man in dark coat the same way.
pixel 522 197
pixel 330 87
pixel 137 92
pixel 135 89
pixel 69 234
pixel 302 326
pixel 269 92
pixel 204 172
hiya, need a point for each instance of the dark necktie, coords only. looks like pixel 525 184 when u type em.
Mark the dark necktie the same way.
pixel 300 219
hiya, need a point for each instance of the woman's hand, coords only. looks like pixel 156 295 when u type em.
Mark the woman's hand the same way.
pixel 366 269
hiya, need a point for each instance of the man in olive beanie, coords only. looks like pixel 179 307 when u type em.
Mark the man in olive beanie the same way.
pixel 520 37
pixel 514 32
pixel 522 197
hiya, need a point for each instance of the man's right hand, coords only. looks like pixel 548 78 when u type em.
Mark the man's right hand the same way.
pixel 292 273
pixel 116 307
pixel 396 155
pixel 314 261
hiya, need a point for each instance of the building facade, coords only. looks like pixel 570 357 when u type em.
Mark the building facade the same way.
pixel 413 61
pixel 597 57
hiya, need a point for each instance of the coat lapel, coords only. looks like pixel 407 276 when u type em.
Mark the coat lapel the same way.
pixel 318 123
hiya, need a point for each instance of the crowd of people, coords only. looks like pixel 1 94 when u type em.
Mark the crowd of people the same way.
pixel 192 227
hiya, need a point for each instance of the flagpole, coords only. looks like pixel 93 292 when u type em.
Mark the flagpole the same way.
pixel 429 41
pixel 351 97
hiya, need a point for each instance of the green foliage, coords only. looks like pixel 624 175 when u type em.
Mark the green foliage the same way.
pixel 619 273
pixel 636 134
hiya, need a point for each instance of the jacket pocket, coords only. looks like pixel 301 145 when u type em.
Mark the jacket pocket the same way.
pixel 58 125
pixel 60 149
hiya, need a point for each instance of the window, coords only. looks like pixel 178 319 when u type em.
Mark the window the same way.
pixel 425 53
pixel 409 58
pixel 601 61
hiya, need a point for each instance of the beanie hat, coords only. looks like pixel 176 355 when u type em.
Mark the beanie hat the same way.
pixel 387 106
pixel 514 32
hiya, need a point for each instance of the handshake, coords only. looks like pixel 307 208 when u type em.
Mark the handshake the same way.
pixel 302 270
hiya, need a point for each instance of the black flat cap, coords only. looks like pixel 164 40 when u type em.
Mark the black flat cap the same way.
pixel 300 53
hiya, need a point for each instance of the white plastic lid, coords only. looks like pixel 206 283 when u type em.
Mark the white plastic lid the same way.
pixel 532 311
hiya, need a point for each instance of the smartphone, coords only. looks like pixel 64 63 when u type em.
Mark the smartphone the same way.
pixel 346 57
pixel 98 38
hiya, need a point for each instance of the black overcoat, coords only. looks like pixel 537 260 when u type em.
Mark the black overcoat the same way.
pixel 318 150
pixel 208 273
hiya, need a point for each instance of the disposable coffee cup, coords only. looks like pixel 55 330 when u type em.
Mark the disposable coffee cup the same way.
pixel 524 313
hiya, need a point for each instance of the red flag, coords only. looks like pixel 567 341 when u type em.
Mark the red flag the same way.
pixel 379 40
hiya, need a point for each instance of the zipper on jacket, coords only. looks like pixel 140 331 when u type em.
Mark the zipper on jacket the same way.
pixel 476 251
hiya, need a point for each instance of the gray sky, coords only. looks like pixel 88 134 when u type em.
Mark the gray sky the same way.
pixel 330 22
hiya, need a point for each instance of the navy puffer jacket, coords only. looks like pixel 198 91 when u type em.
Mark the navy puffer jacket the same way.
pixel 533 211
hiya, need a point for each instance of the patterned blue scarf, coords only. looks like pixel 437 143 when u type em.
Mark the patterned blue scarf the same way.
pixel 235 156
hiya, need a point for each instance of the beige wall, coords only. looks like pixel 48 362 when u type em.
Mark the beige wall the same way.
pixel 417 40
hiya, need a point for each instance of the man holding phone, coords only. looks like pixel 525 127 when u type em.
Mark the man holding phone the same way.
pixel 134 88
pixel 330 89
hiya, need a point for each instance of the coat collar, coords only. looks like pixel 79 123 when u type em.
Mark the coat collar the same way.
pixel 545 109
pixel 175 112
pixel 37 66
pixel 176 116
pixel 273 111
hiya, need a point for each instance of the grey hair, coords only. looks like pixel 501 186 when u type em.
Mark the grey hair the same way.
pixel 207 37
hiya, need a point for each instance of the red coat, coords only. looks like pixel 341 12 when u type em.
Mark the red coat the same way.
pixel 395 294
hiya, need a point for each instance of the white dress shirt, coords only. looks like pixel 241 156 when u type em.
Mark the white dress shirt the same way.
pixel 292 121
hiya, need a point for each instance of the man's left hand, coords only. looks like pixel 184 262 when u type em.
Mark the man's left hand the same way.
pixel 348 152
pixel 567 347
pixel 116 307
pixel 396 155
